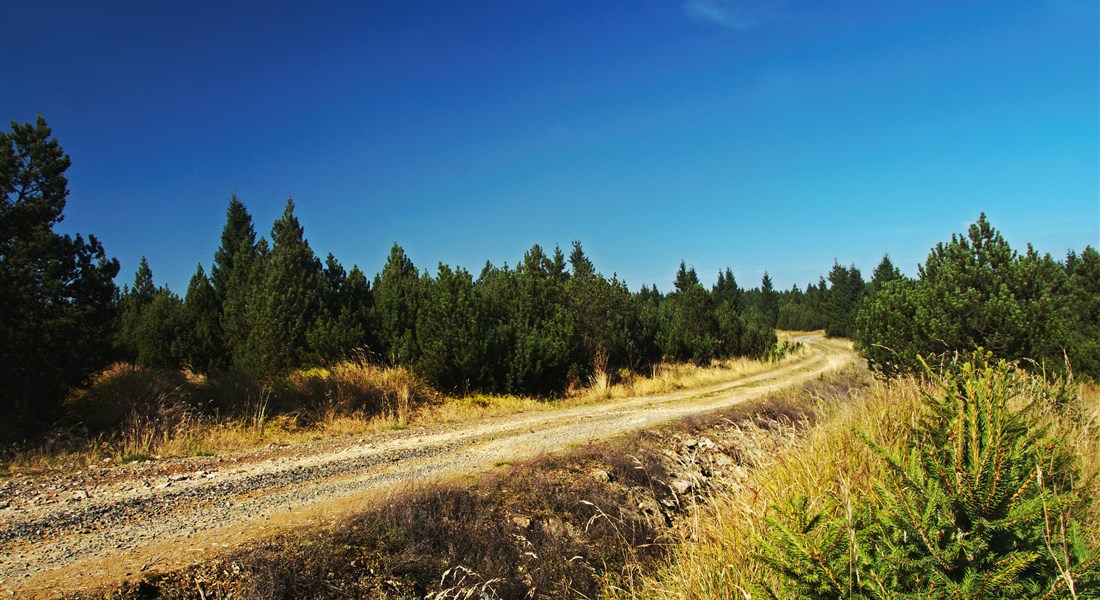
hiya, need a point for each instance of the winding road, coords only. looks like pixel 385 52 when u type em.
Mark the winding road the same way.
pixel 78 530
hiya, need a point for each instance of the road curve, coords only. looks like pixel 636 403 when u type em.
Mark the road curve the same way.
pixel 79 530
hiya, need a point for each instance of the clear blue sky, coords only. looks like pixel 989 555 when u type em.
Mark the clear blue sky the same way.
pixel 754 134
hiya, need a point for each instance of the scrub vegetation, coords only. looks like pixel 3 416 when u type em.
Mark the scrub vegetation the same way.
pixel 977 482
pixel 968 469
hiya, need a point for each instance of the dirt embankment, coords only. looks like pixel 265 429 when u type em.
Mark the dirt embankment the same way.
pixel 75 531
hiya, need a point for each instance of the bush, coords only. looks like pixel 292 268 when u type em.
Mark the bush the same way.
pixel 979 501
pixel 123 395
pixel 353 387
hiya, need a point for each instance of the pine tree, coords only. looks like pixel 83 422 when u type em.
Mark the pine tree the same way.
pixel 726 291
pixel 343 326
pixel 201 339
pixel 579 262
pixel 57 293
pixel 846 290
pixel 884 273
pixel 452 346
pixel 1082 318
pixel 541 324
pixel 396 302
pixel 685 277
pixel 496 291
pixel 135 299
pixel 688 331
pixel 769 301
pixel 236 272
pixel 287 301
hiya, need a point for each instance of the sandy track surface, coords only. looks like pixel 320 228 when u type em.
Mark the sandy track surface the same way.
pixel 87 528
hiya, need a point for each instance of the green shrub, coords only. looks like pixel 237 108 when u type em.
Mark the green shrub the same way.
pixel 980 501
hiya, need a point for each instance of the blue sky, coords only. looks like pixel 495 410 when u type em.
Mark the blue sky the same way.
pixel 753 134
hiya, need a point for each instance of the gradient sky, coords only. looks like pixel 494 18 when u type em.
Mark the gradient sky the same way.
pixel 754 134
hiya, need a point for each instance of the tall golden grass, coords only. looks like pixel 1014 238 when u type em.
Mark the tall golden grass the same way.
pixel 131 413
pixel 717 556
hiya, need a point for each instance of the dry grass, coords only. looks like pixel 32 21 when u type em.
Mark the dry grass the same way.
pixel 717 556
pixel 566 525
pixel 129 413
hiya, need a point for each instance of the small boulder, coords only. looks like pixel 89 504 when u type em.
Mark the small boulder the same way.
pixel 681 486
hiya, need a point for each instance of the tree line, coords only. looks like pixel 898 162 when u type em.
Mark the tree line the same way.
pixel 269 305
pixel 547 323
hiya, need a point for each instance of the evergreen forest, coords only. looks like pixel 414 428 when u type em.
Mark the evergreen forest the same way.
pixel 268 305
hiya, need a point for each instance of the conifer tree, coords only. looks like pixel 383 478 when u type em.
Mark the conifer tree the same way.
pixel 884 273
pixel 236 272
pixel 842 300
pixel 541 325
pixel 452 346
pixel 688 327
pixel 287 301
pixel 580 263
pixel 57 292
pixel 1081 302
pixel 135 299
pixel 343 326
pixel 769 301
pixel 977 292
pixel 201 343
pixel 685 277
pixel 726 291
pixel 496 292
pixel 396 302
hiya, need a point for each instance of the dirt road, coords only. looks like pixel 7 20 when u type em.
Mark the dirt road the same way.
pixel 95 526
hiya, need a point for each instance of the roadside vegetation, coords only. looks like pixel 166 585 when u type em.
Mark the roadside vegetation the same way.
pixel 969 469
pixel 564 525
pixel 980 482
pixel 267 312
pixel 130 413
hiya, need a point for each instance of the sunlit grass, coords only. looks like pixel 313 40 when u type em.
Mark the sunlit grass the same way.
pixel 717 555
pixel 351 398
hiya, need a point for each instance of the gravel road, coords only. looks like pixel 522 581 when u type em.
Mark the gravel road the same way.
pixel 67 532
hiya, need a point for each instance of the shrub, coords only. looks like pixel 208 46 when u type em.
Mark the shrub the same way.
pixel 979 501
pixel 124 394
pixel 353 387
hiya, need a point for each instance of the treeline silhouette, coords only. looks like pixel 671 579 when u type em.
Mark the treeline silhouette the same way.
pixel 270 306
pixel 537 328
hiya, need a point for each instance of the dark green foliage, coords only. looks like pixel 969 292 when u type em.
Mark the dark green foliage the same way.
pixel 685 277
pixel 726 291
pixel 57 292
pixel 803 311
pixel 975 291
pixel 699 326
pixel 541 325
pixel 604 320
pixel 236 273
pixel 1081 305
pixel 150 323
pixel 396 302
pixel 200 339
pixel 689 329
pixel 884 273
pixel 769 302
pixel 972 506
pixel 450 335
pixel 285 305
pixel 846 290
pixel 343 328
